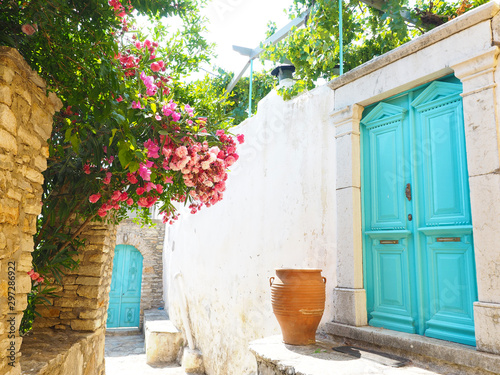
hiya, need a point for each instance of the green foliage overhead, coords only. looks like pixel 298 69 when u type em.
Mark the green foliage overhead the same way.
pixel 367 33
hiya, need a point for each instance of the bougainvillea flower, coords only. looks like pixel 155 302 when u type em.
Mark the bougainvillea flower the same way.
pixel 131 178
pixel 144 172
pixel 94 198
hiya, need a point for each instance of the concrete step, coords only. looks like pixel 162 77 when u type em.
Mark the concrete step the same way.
pixel 275 357
pixel 163 341
pixel 441 356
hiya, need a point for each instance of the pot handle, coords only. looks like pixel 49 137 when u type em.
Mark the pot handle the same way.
pixel 271 280
pixel 324 279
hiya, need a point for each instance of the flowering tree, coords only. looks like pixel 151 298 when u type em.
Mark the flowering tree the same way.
pixel 125 140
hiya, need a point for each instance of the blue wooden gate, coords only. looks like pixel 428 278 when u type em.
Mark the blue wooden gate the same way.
pixel 418 249
pixel 125 292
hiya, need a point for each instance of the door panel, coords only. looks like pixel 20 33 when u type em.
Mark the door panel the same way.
pixel 418 248
pixel 444 177
pixel 388 208
pixel 392 301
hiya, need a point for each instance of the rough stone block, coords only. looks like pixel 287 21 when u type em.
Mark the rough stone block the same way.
pixel 34 175
pixel 41 163
pixel 84 325
pixel 48 312
pixel 8 142
pixel 6 74
pixel 6 162
pixel 89 314
pixel 5 95
pixel 29 139
pixel 22 110
pixel 9 212
pixel 29 225
pixel 8 119
pixel 32 209
pixel 43 125
pixel 88 291
pixel 68 315
pixel 23 283
pixel 87 280
pixel 11 193
pixel 78 302
pixel 3 241
pixel 55 101
pixel 21 90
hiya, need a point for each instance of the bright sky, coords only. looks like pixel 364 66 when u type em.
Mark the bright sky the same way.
pixel 242 23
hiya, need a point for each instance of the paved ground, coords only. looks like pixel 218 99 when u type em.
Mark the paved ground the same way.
pixel 125 355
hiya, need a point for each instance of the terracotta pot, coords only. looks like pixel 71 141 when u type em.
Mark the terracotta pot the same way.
pixel 298 299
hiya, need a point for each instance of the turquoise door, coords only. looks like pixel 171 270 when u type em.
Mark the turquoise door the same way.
pixel 125 292
pixel 418 249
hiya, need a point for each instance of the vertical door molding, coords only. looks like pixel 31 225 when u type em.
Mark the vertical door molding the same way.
pixel 482 134
pixel 349 294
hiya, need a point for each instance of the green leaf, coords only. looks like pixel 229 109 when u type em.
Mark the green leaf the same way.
pixel 75 142
pixel 113 132
pixel 118 117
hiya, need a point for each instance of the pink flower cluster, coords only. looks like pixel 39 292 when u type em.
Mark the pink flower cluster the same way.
pixel 195 159
pixel 35 276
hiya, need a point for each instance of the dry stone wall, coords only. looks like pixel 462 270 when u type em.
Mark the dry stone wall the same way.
pixel 25 125
pixel 53 352
pixel 84 295
pixel 149 242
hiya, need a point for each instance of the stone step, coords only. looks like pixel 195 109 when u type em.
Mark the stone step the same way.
pixel 123 331
pixel 163 341
pixel 275 357
pixel 437 355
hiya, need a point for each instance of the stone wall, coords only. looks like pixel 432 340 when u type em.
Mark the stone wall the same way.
pixel 51 352
pixel 84 295
pixel 149 242
pixel 25 125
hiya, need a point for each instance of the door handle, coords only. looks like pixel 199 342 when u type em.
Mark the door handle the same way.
pixel 408 192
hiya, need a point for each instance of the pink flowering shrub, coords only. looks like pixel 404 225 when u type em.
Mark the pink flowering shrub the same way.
pixel 163 152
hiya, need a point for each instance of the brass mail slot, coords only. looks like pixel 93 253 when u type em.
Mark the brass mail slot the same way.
pixel 448 239
pixel 386 242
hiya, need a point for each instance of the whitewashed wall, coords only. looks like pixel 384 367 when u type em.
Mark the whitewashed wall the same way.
pixel 278 211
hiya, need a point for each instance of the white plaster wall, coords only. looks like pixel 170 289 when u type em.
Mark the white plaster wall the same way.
pixel 278 211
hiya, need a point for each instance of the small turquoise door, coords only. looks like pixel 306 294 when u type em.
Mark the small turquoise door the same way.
pixel 418 249
pixel 125 292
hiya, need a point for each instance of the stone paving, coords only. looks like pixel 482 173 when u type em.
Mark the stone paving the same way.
pixel 125 355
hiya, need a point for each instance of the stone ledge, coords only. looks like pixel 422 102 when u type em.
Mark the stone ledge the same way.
pixel 51 352
pixel 275 357
pixel 432 353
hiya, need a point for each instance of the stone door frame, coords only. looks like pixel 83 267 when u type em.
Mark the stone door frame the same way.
pixel 478 75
